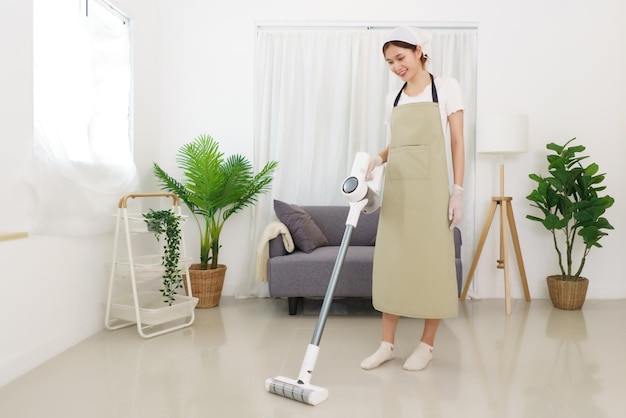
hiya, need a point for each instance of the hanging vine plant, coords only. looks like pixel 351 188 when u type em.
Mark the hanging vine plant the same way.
pixel 166 223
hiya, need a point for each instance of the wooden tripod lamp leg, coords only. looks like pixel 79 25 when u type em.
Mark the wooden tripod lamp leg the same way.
pixel 500 261
pixel 504 250
pixel 479 248
pixel 518 251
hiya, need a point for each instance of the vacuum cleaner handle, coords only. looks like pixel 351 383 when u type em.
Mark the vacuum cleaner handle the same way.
pixel 360 196
pixel 358 190
pixel 330 291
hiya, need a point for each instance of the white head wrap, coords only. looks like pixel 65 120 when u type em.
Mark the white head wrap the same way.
pixel 411 36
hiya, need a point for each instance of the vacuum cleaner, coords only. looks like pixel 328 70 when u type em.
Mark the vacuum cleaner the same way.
pixel 363 196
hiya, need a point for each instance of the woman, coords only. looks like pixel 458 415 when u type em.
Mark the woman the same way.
pixel 414 271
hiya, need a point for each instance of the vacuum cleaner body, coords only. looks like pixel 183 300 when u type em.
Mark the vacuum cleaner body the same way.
pixel 363 196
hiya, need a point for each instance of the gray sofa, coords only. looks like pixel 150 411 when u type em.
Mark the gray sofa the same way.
pixel 301 274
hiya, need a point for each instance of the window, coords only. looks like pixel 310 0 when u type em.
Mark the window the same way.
pixel 83 80
pixel 82 83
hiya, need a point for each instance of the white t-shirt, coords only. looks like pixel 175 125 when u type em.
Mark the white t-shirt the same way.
pixel 448 93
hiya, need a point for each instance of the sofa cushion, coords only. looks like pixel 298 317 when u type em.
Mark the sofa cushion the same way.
pixel 305 233
pixel 307 275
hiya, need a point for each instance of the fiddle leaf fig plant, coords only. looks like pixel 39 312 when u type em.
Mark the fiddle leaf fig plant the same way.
pixel 167 224
pixel 571 205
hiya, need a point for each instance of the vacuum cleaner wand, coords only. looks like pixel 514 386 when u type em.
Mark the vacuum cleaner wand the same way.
pixel 363 196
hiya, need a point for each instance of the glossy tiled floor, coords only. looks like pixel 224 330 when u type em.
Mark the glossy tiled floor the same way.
pixel 538 362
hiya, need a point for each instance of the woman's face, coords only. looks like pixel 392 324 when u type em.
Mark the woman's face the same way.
pixel 404 62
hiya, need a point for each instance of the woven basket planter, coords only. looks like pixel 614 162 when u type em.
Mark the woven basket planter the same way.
pixel 568 295
pixel 206 285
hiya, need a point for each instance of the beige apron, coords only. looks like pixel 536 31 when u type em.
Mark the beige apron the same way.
pixel 414 272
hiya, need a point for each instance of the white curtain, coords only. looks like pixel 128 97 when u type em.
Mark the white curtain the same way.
pixel 82 156
pixel 320 98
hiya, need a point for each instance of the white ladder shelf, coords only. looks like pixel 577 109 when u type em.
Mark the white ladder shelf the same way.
pixel 132 298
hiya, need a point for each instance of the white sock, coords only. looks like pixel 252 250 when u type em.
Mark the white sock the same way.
pixel 384 353
pixel 420 357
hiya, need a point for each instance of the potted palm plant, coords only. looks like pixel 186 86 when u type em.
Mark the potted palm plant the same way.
pixel 572 209
pixel 214 188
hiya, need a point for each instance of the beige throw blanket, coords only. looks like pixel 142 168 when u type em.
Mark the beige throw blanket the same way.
pixel 271 231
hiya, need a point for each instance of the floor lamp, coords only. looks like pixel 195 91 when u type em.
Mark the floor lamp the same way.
pixel 501 134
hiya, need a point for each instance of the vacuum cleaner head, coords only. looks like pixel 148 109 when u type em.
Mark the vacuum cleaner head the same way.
pixel 296 390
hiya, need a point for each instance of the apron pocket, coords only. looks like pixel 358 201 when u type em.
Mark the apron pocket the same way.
pixel 409 162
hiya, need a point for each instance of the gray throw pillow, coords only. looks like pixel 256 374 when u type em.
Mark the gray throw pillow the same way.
pixel 306 235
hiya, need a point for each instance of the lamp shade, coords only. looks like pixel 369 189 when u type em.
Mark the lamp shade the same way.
pixel 502 133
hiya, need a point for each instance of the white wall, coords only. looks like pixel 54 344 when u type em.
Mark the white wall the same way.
pixel 559 61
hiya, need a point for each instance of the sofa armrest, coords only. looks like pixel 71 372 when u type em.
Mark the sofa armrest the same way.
pixel 457 259
pixel 457 242
pixel 277 247
pixel 276 240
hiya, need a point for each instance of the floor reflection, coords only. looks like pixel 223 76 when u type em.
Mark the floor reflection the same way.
pixel 498 362
pixel 568 385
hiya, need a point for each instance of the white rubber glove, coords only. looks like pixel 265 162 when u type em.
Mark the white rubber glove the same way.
pixel 455 206
pixel 375 161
